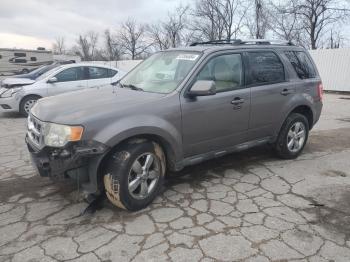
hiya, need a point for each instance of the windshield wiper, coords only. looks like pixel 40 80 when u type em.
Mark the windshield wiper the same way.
pixel 132 87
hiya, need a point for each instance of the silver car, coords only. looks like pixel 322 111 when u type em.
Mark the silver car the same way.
pixel 19 95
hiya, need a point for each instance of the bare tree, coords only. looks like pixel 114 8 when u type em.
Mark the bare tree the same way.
pixel 257 21
pixel 232 13
pixel 206 21
pixel 113 47
pixel 219 19
pixel 317 17
pixel 58 46
pixel 132 37
pixel 86 46
pixel 286 26
pixel 171 32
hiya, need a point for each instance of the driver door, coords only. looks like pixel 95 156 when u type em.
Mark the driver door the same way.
pixel 70 79
pixel 215 122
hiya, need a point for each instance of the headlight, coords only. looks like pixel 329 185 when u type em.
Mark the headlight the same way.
pixel 10 92
pixel 59 135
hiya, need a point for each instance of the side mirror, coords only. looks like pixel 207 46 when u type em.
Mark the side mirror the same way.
pixel 203 88
pixel 52 80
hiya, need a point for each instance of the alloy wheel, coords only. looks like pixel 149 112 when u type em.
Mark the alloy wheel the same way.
pixel 296 137
pixel 144 175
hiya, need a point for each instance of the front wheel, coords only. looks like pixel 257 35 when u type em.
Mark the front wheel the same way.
pixel 27 103
pixel 292 137
pixel 134 174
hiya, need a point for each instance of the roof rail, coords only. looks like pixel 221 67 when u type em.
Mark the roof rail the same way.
pixel 243 42
pixel 218 42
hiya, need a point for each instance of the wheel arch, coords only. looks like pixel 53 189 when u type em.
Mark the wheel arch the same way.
pixel 20 105
pixel 305 111
pixel 29 95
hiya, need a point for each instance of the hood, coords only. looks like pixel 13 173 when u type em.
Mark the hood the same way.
pixel 80 107
pixel 13 82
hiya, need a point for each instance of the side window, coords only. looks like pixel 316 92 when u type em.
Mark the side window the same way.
pixel 20 60
pixel 306 65
pixel 301 63
pixel 112 72
pixel 33 58
pixel 70 74
pixel 98 72
pixel 225 70
pixel 20 54
pixel 265 68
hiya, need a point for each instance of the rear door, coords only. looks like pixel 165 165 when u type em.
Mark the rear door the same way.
pixel 98 76
pixel 212 123
pixel 270 91
pixel 70 79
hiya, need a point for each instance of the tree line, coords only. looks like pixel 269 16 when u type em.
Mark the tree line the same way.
pixel 309 23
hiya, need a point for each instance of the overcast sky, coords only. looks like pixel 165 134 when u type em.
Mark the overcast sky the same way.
pixel 33 23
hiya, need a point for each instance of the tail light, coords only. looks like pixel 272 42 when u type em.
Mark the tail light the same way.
pixel 320 91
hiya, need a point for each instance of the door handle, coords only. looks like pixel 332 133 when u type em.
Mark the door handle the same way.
pixel 286 92
pixel 237 101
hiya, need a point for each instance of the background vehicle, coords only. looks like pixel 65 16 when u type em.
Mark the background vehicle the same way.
pixel 61 79
pixel 15 61
pixel 210 99
pixel 42 69
pixel 26 79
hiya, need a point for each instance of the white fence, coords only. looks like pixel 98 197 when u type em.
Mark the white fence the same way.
pixel 334 68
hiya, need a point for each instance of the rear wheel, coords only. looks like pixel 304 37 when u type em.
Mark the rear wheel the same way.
pixel 135 174
pixel 292 137
pixel 27 103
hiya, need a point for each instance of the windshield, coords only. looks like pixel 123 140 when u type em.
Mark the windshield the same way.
pixel 43 70
pixel 49 73
pixel 162 72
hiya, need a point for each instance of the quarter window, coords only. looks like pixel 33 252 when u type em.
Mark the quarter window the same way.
pixel 98 72
pixel 225 70
pixel 112 72
pixel 265 68
pixel 70 74
pixel 302 64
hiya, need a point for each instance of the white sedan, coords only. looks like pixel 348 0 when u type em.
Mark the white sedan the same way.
pixel 20 97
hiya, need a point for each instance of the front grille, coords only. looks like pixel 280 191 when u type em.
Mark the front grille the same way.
pixel 35 131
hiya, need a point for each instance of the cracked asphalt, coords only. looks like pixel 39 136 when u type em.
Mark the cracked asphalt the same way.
pixel 248 206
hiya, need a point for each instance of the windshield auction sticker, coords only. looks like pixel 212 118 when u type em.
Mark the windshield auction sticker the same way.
pixel 189 57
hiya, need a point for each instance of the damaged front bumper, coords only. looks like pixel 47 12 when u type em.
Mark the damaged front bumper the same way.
pixel 79 161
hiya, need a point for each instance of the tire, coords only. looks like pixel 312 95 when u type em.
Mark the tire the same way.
pixel 126 174
pixel 25 71
pixel 27 103
pixel 292 137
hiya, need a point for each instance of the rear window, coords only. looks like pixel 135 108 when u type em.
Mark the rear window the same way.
pixel 97 72
pixel 302 64
pixel 265 68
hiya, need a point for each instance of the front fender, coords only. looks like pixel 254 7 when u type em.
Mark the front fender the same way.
pixel 127 127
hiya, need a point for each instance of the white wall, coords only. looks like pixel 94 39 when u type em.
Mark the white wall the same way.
pixel 334 68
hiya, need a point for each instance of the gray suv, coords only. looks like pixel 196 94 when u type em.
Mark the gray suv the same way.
pixel 177 108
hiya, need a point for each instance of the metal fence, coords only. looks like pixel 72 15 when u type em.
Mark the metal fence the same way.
pixel 334 68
